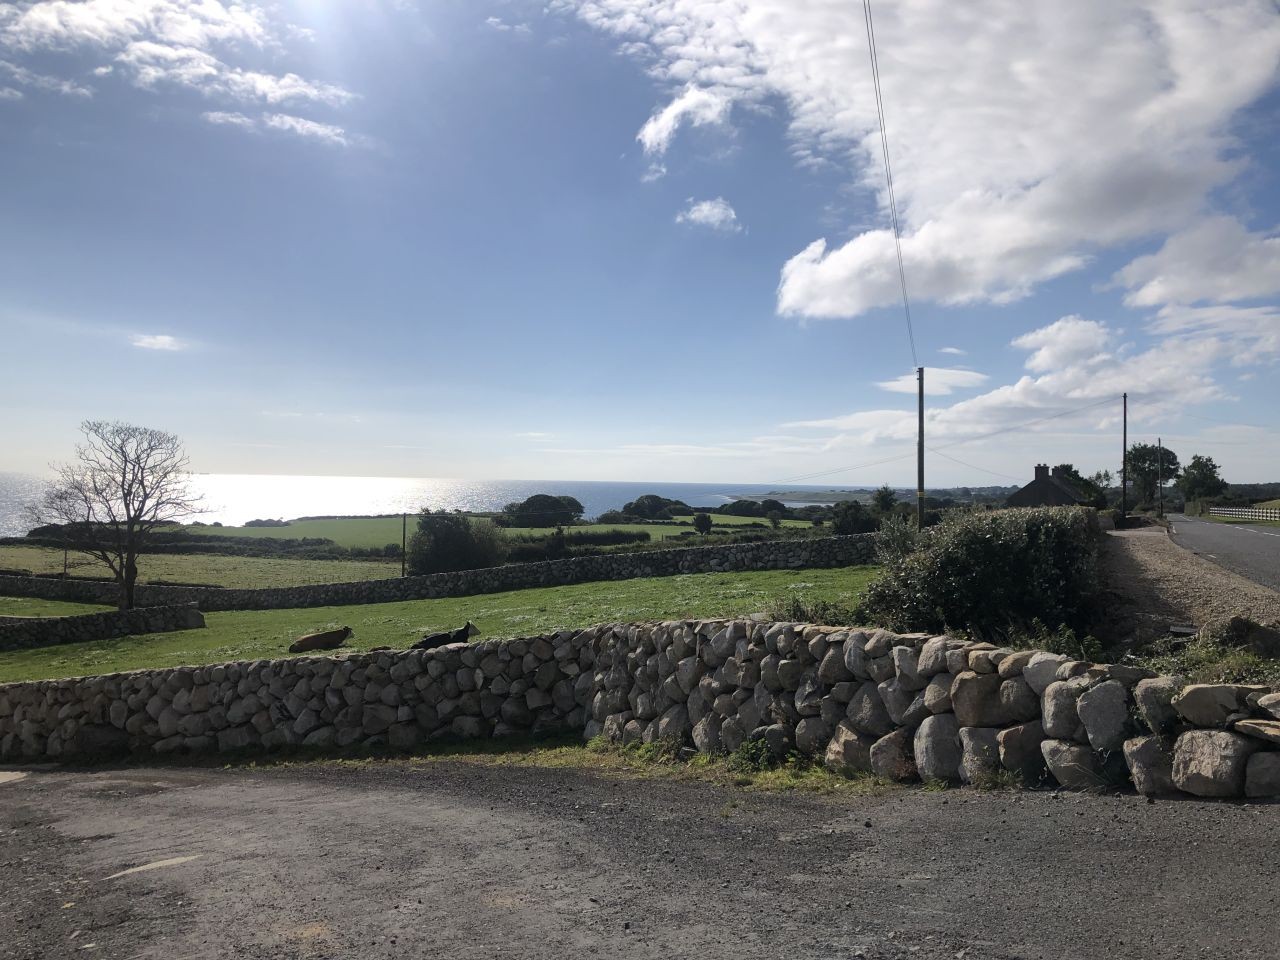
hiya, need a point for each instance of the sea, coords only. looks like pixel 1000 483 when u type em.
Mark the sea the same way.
pixel 233 499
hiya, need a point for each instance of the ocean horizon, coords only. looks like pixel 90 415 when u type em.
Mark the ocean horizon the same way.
pixel 234 499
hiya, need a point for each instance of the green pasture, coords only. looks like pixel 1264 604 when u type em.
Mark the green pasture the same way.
pixel 33 607
pixel 252 634
pixel 208 568
pixel 380 531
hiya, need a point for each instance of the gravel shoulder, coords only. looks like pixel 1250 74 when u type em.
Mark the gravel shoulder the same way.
pixel 1155 584
pixel 457 859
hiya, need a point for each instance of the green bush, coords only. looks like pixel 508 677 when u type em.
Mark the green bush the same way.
pixel 751 757
pixel 993 574
pixel 453 541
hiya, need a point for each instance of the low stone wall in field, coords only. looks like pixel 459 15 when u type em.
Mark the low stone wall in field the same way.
pixel 22 633
pixel 766 555
pixel 901 706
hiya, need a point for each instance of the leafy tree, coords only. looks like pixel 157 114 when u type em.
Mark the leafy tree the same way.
pixel 741 508
pixel 453 541
pixel 124 483
pixel 849 517
pixel 774 518
pixel 883 500
pixel 1095 494
pixel 1201 479
pixel 543 510
pixel 769 505
pixel 702 523
pixel 1147 464
pixel 653 507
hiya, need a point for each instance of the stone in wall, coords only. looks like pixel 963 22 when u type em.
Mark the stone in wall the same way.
pixel 713 684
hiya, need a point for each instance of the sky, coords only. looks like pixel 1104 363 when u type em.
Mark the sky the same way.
pixel 642 239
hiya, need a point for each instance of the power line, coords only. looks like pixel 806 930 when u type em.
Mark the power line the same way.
pixel 856 466
pixel 1028 423
pixel 971 466
pixel 888 174
pixel 954 443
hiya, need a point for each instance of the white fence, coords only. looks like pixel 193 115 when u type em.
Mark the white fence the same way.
pixel 1246 513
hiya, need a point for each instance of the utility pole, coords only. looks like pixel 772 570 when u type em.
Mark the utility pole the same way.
pixel 1160 477
pixel 920 455
pixel 404 531
pixel 1124 464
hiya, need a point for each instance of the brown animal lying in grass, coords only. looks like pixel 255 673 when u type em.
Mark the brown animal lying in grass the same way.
pixel 461 635
pixel 328 640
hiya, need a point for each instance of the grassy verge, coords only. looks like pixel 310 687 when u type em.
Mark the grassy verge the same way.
pixel 1241 520
pixel 655 761
pixel 252 634
pixel 210 569
pixel 1204 661
pixel 32 607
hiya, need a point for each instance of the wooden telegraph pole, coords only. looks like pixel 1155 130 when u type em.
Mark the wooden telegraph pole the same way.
pixel 1124 463
pixel 920 454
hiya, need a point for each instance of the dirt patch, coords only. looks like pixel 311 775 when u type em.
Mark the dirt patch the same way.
pixel 1154 584
pixel 396 860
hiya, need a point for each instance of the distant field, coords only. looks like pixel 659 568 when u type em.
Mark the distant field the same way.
pixel 1271 504
pixel 211 568
pixel 380 531
pixel 252 634
pixel 32 607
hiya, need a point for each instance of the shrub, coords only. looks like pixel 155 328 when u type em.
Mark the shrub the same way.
pixel 993 573
pixel 850 516
pixel 702 523
pixel 800 608
pixel 453 541
pixel 751 757
pixel 897 540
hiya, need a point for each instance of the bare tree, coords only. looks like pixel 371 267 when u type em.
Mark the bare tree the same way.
pixel 124 482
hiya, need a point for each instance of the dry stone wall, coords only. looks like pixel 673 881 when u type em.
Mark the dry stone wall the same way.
pixel 22 633
pixel 902 706
pixel 766 555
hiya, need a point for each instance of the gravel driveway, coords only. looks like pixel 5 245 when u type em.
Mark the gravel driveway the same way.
pixel 1157 584
pixel 1251 551
pixel 461 860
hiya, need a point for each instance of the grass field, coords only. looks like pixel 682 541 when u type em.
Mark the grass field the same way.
pixel 33 607
pixel 211 569
pixel 1254 523
pixel 380 531
pixel 244 635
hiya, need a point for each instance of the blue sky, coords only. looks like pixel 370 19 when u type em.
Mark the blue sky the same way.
pixel 639 239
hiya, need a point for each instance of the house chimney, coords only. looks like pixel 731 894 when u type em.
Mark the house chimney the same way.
pixel 1059 473
pixel 1042 471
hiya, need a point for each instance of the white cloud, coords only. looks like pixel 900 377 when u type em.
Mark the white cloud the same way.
pixel 152 64
pixel 497 23
pixel 1064 343
pixel 167 43
pixel 326 132
pixel 38 81
pixel 716 214
pixel 1248 334
pixel 1216 259
pixel 696 107
pixel 65 25
pixel 157 341
pixel 994 198
pixel 224 118
pixel 8 93
pixel 954 351
pixel 655 171
pixel 938 381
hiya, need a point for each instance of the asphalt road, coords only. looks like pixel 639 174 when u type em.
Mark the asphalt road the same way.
pixel 1252 551
pixel 466 861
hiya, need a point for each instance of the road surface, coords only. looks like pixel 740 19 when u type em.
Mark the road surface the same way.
pixel 1250 550
pixel 460 860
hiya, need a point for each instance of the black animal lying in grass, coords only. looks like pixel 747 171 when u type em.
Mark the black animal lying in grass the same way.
pixel 431 641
